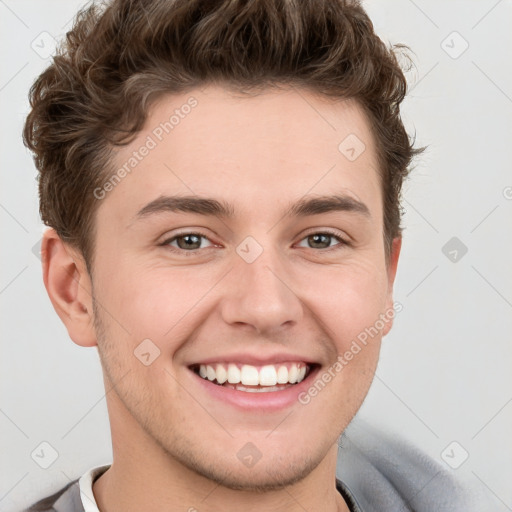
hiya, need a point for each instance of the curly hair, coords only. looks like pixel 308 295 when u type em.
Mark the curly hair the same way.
pixel 121 56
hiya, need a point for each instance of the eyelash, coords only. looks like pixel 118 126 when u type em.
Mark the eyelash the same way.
pixel 342 242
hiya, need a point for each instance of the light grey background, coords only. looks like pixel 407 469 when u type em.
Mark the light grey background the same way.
pixel 445 370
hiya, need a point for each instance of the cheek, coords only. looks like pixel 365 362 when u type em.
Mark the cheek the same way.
pixel 161 305
pixel 149 302
pixel 349 300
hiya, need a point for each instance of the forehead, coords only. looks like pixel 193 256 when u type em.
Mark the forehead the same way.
pixel 258 150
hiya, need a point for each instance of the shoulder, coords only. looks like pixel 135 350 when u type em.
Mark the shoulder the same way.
pixel 66 499
pixel 385 473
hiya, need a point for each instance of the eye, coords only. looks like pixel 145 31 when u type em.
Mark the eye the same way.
pixel 187 241
pixel 322 240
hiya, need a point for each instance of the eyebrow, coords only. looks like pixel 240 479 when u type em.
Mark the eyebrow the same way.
pixel 209 206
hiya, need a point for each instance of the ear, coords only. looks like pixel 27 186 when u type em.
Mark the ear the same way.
pixel 396 246
pixel 69 287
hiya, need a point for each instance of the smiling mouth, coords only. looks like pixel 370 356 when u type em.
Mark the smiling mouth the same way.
pixel 254 379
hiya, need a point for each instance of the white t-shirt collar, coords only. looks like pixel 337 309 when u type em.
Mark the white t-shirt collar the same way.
pixel 85 484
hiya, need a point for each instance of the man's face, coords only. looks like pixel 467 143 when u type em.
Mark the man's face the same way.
pixel 267 286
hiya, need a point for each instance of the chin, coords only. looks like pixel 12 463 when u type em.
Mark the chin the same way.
pixel 262 477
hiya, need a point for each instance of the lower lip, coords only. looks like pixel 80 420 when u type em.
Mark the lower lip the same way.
pixel 262 401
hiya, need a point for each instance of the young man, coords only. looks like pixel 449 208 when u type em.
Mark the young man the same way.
pixel 222 181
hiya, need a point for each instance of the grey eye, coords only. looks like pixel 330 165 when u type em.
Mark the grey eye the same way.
pixel 320 240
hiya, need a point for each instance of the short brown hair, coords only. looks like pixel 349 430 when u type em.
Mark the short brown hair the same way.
pixel 119 58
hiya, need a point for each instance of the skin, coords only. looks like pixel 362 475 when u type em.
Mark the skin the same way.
pixel 174 447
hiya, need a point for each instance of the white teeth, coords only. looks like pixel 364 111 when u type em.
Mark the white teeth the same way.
pixel 293 373
pixel 282 375
pixel 268 376
pixel 257 389
pixel 210 373
pixel 233 374
pixel 248 375
pixel 222 374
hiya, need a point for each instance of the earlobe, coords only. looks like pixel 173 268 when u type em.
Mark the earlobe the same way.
pixel 392 267
pixel 69 287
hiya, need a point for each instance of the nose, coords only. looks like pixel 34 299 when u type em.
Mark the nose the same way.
pixel 260 295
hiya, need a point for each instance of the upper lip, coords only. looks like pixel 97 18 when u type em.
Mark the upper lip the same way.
pixel 255 359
